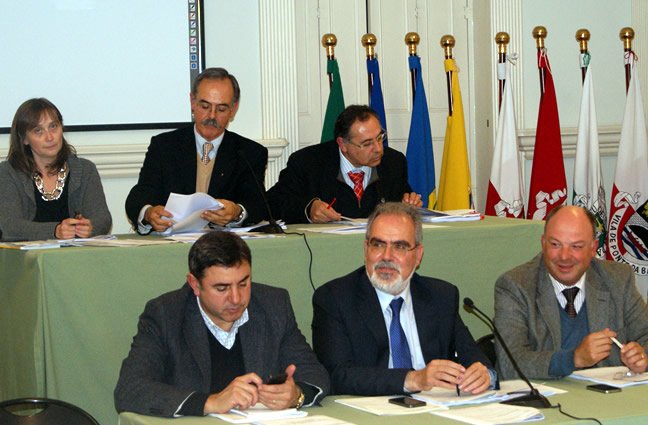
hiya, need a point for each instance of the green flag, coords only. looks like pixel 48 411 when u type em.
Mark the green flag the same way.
pixel 335 104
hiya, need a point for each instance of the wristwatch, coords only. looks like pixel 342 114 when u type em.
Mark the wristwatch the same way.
pixel 300 399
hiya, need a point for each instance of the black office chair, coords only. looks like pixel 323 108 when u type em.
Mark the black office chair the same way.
pixel 487 344
pixel 43 411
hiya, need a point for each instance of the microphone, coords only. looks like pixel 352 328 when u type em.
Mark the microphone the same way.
pixel 272 227
pixel 533 398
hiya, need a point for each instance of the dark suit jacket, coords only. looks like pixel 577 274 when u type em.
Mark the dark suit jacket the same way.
pixel 170 166
pixel 314 172
pixel 170 358
pixel 350 336
pixel 528 317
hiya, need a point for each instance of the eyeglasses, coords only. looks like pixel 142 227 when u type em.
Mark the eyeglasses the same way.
pixel 369 143
pixel 220 108
pixel 400 248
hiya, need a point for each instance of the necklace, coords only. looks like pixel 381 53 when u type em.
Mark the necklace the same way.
pixel 54 194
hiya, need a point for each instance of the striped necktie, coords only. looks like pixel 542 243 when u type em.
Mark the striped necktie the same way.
pixel 570 296
pixel 207 147
pixel 358 180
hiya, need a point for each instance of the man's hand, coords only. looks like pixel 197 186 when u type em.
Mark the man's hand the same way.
pixel 476 380
pixel 281 396
pixel 414 199
pixel 437 373
pixel 634 357
pixel 321 213
pixel 241 393
pixel 230 212
pixel 593 348
pixel 158 218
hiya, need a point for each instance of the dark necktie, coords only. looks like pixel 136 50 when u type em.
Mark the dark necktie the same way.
pixel 358 180
pixel 401 357
pixel 570 296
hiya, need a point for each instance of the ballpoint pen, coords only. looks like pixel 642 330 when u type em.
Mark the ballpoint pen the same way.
pixel 328 207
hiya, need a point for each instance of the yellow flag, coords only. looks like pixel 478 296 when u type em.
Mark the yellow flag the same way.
pixel 454 185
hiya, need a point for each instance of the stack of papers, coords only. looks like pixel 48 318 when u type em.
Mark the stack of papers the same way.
pixel 310 420
pixel 258 413
pixel 28 245
pixel 186 210
pixel 492 414
pixel 382 407
pixel 616 376
pixel 433 216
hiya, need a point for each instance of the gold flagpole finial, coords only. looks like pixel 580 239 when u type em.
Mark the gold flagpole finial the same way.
pixel 627 35
pixel 329 41
pixel 369 42
pixel 447 43
pixel 412 40
pixel 502 40
pixel 539 33
pixel 583 36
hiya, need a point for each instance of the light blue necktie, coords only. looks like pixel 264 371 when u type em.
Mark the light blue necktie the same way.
pixel 401 357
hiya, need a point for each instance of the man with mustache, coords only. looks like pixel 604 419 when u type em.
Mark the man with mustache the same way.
pixel 345 177
pixel 213 344
pixel 383 329
pixel 566 310
pixel 204 157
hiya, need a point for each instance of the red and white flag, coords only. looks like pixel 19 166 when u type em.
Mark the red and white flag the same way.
pixel 506 187
pixel 548 187
pixel 628 225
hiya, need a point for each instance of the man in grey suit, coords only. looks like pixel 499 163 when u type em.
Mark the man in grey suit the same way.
pixel 217 342
pixel 564 309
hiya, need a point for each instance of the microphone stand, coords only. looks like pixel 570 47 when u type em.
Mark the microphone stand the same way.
pixel 533 398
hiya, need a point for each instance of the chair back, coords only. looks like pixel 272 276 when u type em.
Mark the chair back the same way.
pixel 487 344
pixel 43 411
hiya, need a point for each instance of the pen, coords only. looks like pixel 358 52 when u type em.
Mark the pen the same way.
pixel 458 393
pixel 328 207
pixel 616 342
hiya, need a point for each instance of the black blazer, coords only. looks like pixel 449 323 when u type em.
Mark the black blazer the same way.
pixel 350 336
pixel 170 166
pixel 314 172
pixel 169 358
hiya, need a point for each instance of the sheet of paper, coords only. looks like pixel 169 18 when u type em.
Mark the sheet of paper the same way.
pixel 186 210
pixel 513 388
pixel 614 375
pixel 27 245
pixel 382 407
pixel 310 420
pixel 257 413
pixel 447 397
pixel 492 414
pixel 434 216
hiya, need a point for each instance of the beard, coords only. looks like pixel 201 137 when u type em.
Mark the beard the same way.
pixel 382 283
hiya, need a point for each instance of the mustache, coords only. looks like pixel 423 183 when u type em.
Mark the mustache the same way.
pixel 211 122
pixel 387 264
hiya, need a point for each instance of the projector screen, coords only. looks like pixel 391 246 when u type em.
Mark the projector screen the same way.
pixel 117 64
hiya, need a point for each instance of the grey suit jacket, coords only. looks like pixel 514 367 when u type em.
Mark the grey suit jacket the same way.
pixel 170 359
pixel 528 317
pixel 18 210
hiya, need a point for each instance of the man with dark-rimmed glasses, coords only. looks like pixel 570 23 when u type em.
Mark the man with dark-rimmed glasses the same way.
pixel 383 329
pixel 346 177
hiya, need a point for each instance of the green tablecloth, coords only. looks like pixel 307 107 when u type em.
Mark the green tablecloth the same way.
pixel 68 315
pixel 627 407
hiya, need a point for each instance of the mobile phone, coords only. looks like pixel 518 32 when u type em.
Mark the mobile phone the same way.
pixel 604 388
pixel 277 379
pixel 408 402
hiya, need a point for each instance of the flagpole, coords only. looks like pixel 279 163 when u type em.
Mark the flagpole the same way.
pixel 447 43
pixel 502 39
pixel 626 35
pixel 583 36
pixel 412 40
pixel 539 33
pixel 329 41
pixel 369 43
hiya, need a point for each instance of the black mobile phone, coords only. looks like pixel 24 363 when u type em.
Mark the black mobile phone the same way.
pixel 604 388
pixel 408 402
pixel 276 379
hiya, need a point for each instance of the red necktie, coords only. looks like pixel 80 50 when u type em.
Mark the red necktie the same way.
pixel 357 179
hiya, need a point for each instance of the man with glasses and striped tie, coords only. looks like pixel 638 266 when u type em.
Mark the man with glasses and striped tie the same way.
pixel 346 177
pixel 383 329
pixel 203 157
